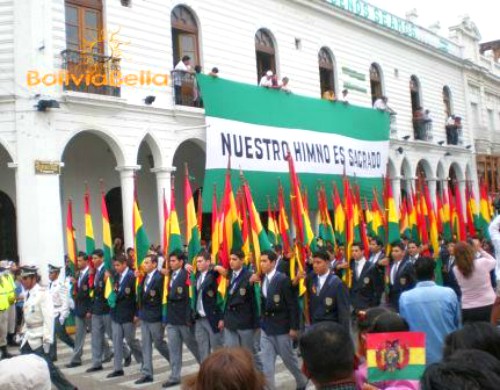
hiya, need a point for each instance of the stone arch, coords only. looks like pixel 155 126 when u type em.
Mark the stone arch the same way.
pixel 455 172
pixel 155 148
pixel 441 177
pixel 391 169
pixel 327 70
pixel 424 167
pixel 405 173
pixel 266 52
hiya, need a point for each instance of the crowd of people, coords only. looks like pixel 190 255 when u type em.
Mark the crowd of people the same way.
pixel 266 314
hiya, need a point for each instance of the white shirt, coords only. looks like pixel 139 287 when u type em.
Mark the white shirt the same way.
pixel 265 286
pixel 60 298
pixel 149 278
pixel 178 76
pixel 122 276
pixel 199 302
pixel 358 266
pixel 374 256
pixel 321 281
pixel 38 312
pixel 265 82
pixel 380 105
pixel 82 275
pixel 174 276
pixel 394 270
pixel 97 272
pixel 494 230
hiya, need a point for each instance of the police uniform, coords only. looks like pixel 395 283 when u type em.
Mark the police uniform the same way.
pixel 7 300
pixel 38 327
pixel 328 299
pixel 402 278
pixel 122 320
pixel 208 313
pixel 280 313
pixel 179 324
pixel 367 285
pixel 83 303
pixel 60 299
pixel 152 330
pixel 101 322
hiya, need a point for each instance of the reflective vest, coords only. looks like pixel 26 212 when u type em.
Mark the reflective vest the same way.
pixel 4 293
pixel 11 289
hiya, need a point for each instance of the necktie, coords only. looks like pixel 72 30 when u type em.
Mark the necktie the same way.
pixel 394 272
pixel 233 278
pixel 198 285
pixel 50 285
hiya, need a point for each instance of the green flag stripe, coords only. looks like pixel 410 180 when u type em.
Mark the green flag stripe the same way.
pixel 410 372
pixel 287 110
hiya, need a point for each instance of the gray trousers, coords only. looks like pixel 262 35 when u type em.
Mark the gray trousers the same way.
pixel 272 346
pixel 101 326
pixel 152 334
pixel 206 338
pixel 4 327
pixel 80 333
pixel 126 331
pixel 12 319
pixel 246 339
pixel 178 334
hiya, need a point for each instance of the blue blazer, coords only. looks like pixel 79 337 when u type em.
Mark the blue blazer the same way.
pixel 404 280
pixel 179 310
pixel 151 299
pixel 83 301
pixel 100 304
pixel 240 312
pixel 366 290
pixel 208 291
pixel 126 307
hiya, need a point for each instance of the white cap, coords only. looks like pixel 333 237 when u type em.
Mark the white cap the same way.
pixel 269 73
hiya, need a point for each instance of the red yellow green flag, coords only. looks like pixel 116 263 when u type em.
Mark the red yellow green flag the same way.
pixel 284 227
pixel 107 247
pixel 404 226
pixel 484 210
pixel 471 210
pixel 339 217
pixel 70 240
pixel 447 228
pixel 141 245
pixel 392 215
pixel 89 228
pixel 192 227
pixel 349 209
pixel 395 356
pixel 272 226
pixel 165 224
pixel 215 238
pixel 325 226
pixel 462 234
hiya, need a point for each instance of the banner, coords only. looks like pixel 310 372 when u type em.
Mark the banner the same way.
pixel 258 127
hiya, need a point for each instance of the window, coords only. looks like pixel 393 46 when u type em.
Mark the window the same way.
pixel 265 53
pixel 447 101
pixel 415 94
pixel 475 114
pixel 84 26
pixel 375 82
pixel 491 120
pixel 326 71
pixel 184 35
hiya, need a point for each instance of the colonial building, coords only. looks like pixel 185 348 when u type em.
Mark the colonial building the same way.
pixel 58 135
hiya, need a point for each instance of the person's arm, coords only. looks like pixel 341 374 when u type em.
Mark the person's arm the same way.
pixel 64 296
pixel 48 321
pixel 489 260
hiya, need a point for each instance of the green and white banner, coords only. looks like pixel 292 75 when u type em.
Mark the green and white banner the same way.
pixel 258 127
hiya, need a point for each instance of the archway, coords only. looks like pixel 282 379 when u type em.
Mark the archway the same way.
pixel 185 41
pixel 265 52
pixel 326 71
pixel 376 85
pixel 89 157
pixel 441 179
pixel 193 154
pixel 8 222
pixel 424 170
pixel 406 178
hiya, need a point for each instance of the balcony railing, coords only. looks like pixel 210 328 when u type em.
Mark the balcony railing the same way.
pixel 454 135
pixel 422 129
pixel 91 73
pixel 186 91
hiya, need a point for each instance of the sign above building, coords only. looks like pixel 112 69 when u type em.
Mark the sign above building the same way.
pixel 47 167
pixel 402 26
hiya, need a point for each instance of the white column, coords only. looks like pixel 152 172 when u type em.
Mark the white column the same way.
pixel 396 190
pixel 40 229
pixel 163 185
pixel 127 178
pixel 432 184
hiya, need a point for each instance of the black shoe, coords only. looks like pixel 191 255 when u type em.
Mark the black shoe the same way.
pixel 109 358
pixel 144 379
pixel 73 365
pixel 170 384
pixel 128 361
pixel 115 374
pixel 94 369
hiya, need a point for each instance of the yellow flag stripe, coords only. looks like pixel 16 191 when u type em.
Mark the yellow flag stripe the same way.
pixel 417 357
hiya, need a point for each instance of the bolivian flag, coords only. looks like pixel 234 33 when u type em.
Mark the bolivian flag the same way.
pixel 89 228
pixel 109 292
pixel 395 356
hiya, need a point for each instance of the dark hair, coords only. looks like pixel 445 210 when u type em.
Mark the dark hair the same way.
pixel 271 255
pixel 197 68
pixel 327 352
pixel 398 244
pixel 226 369
pixel 412 242
pixel 278 247
pixel 359 245
pixel 389 322
pixel 82 254
pixel 185 58
pixel 205 254
pixel 474 335
pixel 215 70
pixel 473 370
pixel 120 258
pixel 377 240
pixel 366 321
pixel 238 253
pixel 98 252
pixel 321 254
pixel 179 254
pixel 153 258
pixel 424 268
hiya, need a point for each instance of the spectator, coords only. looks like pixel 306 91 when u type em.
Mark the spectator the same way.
pixel 494 231
pixel 180 70
pixel 413 251
pixel 466 370
pixel 474 335
pixel 344 99
pixel 227 369
pixel 381 105
pixel 328 356
pixel 284 85
pixel 197 100
pixel 473 277
pixel 267 80
pixel 328 95
pixel 419 124
pixel 214 72
pixel 451 131
pixel 448 261
pixel 431 309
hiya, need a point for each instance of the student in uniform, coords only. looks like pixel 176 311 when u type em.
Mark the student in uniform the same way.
pixel 401 274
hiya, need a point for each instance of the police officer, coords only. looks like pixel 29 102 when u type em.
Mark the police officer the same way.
pixel 39 324
pixel 280 321
pixel 150 313
pixel 123 315
pixel 401 274
pixel 208 313
pixel 328 296
pixel 367 284
pixel 179 317
pixel 240 320
pixel 83 303
pixel 7 299
pixel 60 299
pixel 101 321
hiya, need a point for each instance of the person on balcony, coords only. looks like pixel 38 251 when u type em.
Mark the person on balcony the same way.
pixel 285 85
pixel 344 98
pixel 453 124
pixel 381 105
pixel 180 70
pixel 329 94
pixel 419 123
pixel 267 80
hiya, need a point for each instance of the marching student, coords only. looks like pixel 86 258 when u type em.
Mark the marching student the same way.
pixel 150 313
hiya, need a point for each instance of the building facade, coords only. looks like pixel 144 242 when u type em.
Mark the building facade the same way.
pixel 105 137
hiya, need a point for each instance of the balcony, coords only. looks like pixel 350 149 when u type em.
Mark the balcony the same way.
pixel 91 73
pixel 186 92
pixel 422 129
pixel 454 135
